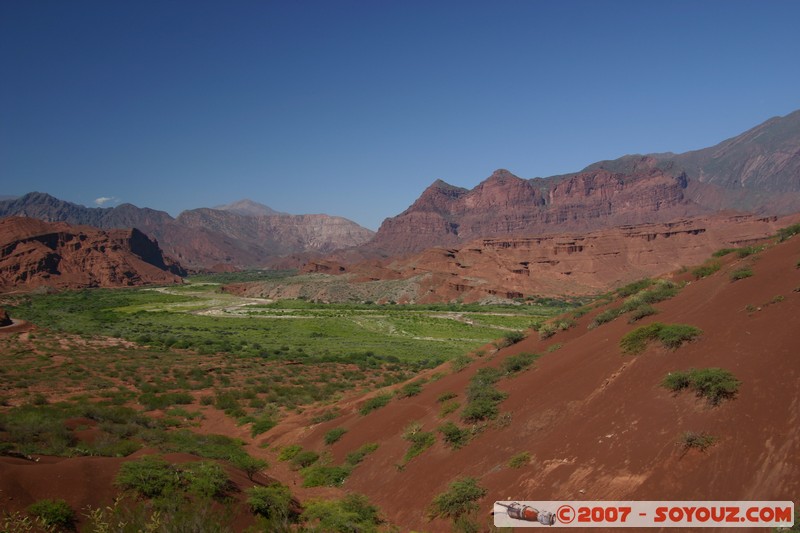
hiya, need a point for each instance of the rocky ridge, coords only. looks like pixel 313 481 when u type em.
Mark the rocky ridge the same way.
pixel 34 253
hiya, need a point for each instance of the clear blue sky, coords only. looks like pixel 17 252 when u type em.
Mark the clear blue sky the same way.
pixel 352 108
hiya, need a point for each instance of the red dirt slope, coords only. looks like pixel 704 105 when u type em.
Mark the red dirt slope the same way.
pixel 597 423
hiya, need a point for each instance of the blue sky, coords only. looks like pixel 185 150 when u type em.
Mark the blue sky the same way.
pixel 352 108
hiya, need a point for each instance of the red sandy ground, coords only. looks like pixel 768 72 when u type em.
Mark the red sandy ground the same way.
pixel 597 423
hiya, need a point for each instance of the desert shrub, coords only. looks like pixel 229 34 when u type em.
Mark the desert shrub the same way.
pixel 633 288
pixel 516 363
pixel 519 460
pixel 705 270
pixel 353 458
pixel 723 252
pixel 153 401
pixel 263 424
pixel 208 446
pixel 443 397
pixel 746 251
pixel 410 389
pixel 420 440
pixel 304 459
pixel 741 273
pixel 606 316
pixel 553 347
pixel 227 401
pixel 53 513
pixel 459 499
pixel 376 402
pixel 790 231
pixel 288 452
pixel 512 337
pixel 334 435
pixel 250 465
pixel 325 475
pixel 671 336
pixel 353 513
pixel 460 362
pixel 640 312
pixel 325 416
pixel 546 330
pixel 448 408
pixel 206 478
pixel 699 441
pixel 455 436
pixel 149 476
pixel 482 396
pixel 273 502
pixel 563 324
pixel 713 384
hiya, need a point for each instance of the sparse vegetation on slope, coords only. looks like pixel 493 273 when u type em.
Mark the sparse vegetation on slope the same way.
pixel 713 384
pixel 672 336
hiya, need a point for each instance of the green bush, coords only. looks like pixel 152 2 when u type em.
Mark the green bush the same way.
pixel 149 476
pixel 351 514
pixel 288 452
pixel 448 408
pixel 153 401
pixel 741 273
pixel 325 475
pixel 483 398
pixel 640 312
pixel 250 465
pixel 273 502
pixel 455 436
pixel 705 270
pixel 304 459
pixel 699 441
pixel 353 458
pixel 206 479
pixel 512 337
pixel 633 288
pixel 376 402
pixel 547 330
pixel 420 440
pixel 410 389
pixel 263 424
pixel 459 499
pixel 714 384
pixel 459 363
pixel 748 250
pixel 516 363
pixel 671 336
pixel 723 252
pixel 606 316
pixel 443 397
pixel 519 460
pixel 785 233
pixel 334 435
pixel 53 513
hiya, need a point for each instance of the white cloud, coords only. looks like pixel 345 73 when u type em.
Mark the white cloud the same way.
pixel 105 199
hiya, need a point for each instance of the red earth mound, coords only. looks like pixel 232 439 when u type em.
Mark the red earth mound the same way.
pixel 34 253
pixel 597 423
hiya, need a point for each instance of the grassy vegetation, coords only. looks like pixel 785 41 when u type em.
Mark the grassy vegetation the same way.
pixel 420 440
pixel 788 232
pixel 458 501
pixel 672 336
pixel 53 514
pixel 376 402
pixel 706 269
pixel 482 396
pixel 698 441
pixel 353 513
pixel 198 318
pixel 519 460
pixel 517 363
pixel 713 384
pixel 639 297
pixel 741 273
pixel 334 435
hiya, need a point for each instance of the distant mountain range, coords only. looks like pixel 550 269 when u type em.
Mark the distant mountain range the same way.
pixel 757 171
pixel 242 234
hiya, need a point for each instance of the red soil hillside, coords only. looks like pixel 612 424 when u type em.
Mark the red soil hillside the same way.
pixel 597 423
pixel 34 253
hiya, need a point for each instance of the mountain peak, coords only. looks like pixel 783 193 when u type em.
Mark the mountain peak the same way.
pixel 248 208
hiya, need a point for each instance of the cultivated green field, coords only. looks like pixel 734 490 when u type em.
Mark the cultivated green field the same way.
pixel 200 317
